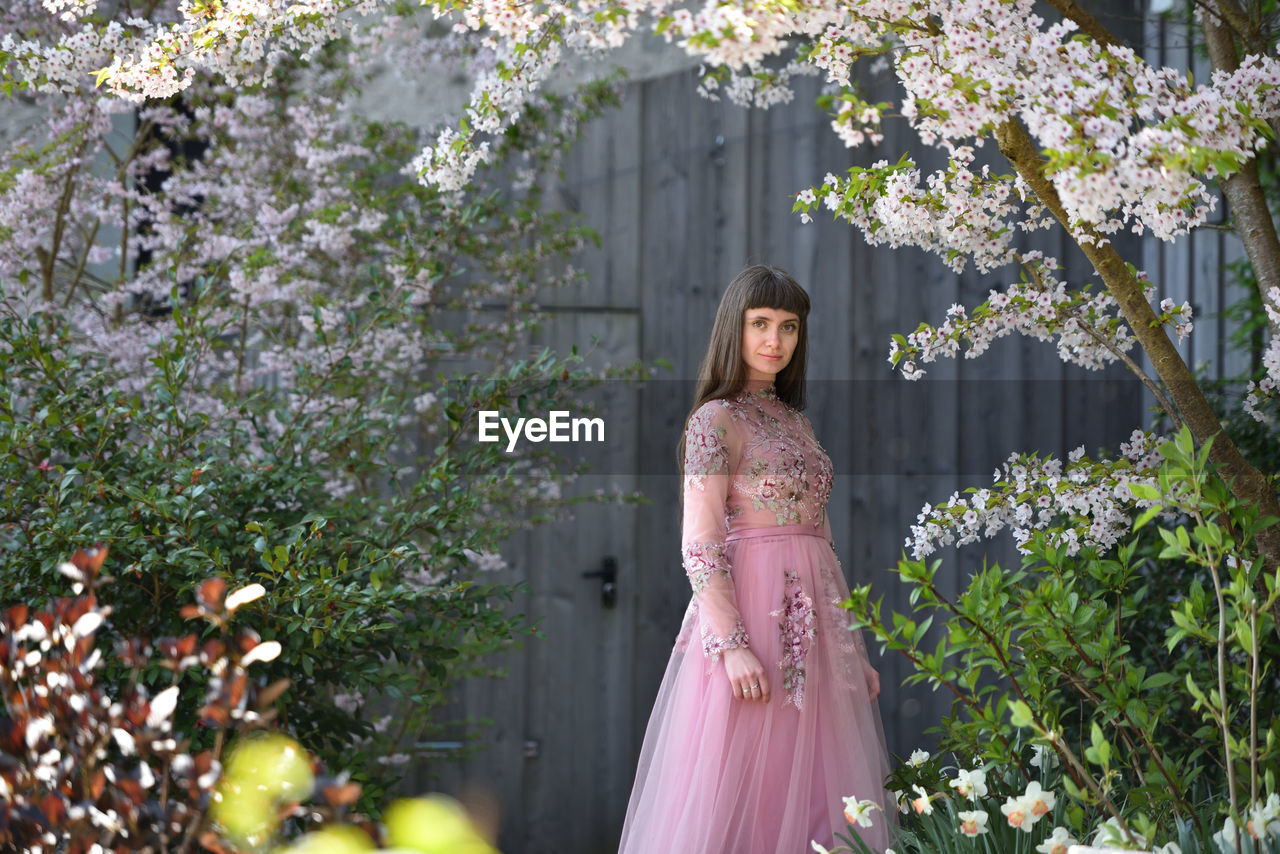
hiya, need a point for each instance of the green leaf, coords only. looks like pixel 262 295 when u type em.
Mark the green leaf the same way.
pixel 1145 491
pixel 1099 751
pixel 1158 680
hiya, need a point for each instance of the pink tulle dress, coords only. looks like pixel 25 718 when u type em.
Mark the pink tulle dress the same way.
pixel 720 775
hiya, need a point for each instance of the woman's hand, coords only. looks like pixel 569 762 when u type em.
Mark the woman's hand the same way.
pixel 746 675
pixel 873 681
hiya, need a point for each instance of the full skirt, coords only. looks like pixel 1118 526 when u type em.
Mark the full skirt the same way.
pixel 719 775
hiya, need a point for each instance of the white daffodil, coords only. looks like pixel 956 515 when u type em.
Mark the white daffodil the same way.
pixel 1057 843
pixel 970 784
pixel 1043 757
pixel 859 811
pixel 1017 812
pixel 972 822
pixel 1110 835
pixel 1264 818
pixel 922 804
pixel 1041 801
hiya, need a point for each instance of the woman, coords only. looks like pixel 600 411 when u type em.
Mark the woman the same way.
pixel 765 721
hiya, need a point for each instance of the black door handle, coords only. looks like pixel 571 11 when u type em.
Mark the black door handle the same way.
pixel 608 575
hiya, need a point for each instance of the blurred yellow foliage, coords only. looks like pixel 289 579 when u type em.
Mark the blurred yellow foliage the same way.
pixel 435 824
pixel 263 773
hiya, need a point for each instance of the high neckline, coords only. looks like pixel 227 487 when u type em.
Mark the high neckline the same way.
pixel 765 392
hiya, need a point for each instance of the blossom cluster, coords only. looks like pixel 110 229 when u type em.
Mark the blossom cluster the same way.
pixel 1088 502
pixel 1022 811
pixel 1025 811
pixel 1265 391
pixel 966 69
pixel 1086 325
pixel 1262 820
pixel 264 228
pixel 958 213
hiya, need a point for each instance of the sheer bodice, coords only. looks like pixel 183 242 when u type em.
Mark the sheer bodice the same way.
pixel 750 461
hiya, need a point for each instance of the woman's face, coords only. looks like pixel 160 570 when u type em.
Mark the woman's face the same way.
pixel 769 338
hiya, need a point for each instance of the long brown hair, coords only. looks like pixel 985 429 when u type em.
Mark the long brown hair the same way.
pixel 723 373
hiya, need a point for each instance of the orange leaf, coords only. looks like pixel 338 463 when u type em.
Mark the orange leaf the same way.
pixel 210 841
pixel 89 562
pixel 214 715
pixel 341 796
pixel 53 809
pixel 210 593
pixel 272 692
pixel 18 615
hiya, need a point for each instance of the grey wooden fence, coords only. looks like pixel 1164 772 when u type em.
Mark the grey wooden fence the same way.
pixel 684 192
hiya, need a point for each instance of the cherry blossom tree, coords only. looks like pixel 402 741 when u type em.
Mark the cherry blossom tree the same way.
pixel 1045 123
pixel 1095 140
pixel 225 316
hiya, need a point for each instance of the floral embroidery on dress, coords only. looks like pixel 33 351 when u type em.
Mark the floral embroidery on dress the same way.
pixel 796 628
pixel 702 561
pixel 713 645
pixel 783 470
pixel 838 616
pixel 705 449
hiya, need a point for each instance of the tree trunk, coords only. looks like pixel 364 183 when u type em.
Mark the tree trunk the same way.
pixel 1246 482
pixel 1243 190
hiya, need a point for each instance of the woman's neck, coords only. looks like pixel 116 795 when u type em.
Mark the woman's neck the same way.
pixel 759 387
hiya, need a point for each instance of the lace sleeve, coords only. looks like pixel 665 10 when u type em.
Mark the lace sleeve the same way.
pixel 708 454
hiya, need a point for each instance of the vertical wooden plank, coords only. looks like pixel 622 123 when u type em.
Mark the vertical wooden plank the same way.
pixel 578 690
pixel 822 256
pixel 1158 33
pixel 676 311
pixel 602 183
pixel 497 765
pixel 1206 341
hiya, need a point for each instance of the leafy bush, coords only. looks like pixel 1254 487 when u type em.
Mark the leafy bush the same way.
pixel 280 387
pixel 1148 671
pixel 954 810
pixel 379 600
pixel 84 767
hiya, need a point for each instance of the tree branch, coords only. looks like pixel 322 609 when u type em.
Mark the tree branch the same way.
pixel 1229 13
pixel 1243 190
pixel 1246 482
pixel 1088 24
